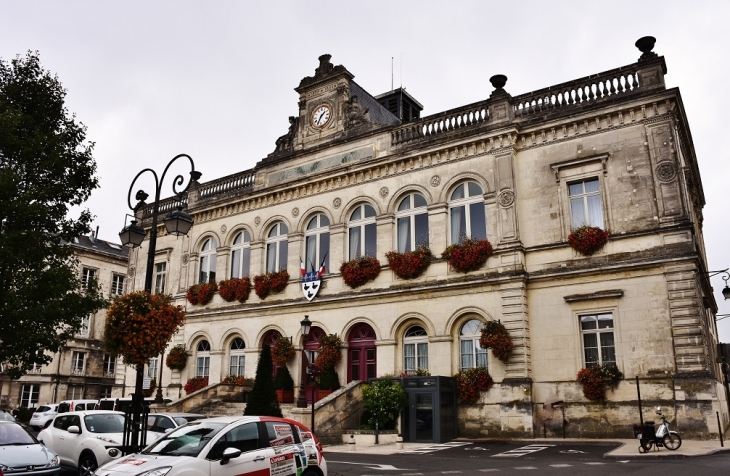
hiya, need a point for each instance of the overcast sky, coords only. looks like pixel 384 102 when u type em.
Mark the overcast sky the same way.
pixel 215 79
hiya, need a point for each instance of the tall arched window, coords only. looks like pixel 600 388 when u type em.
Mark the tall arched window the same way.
pixel 467 214
pixel 317 242
pixel 415 350
pixel 362 231
pixel 472 354
pixel 202 359
pixel 241 255
pixel 277 249
pixel 237 359
pixel 412 223
pixel 207 261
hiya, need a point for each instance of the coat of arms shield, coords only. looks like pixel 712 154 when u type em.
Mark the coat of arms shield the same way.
pixel 312 280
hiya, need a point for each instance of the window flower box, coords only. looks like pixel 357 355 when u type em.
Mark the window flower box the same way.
pixel 265 284
pixel 235 289
pixel 595 380
pixel 194 384
pixel 469 255
pixel 201 293
pixel 360 270
pixel 587 240
pixel 411 264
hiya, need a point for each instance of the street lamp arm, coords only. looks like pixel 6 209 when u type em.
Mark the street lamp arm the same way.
pixel 179 180
pixel 131 186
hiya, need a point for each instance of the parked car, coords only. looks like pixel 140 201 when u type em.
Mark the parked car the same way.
pixel 43 416
pixel 86 439
pixel 122 404
pixel 161 423
pixel 5 416
pixel 76 405
pixel 228 446
pixel 21 454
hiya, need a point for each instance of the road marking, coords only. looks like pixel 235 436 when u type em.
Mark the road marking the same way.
pixel 437 447
pixel 491 470
pixel 450 472
pixel 572 451
pixel 525 467
pixel 476 448
pixel 561 465
pixel 595 463
pixel 412 474
pixel 384 467
pixel 525 450
pixel 625 461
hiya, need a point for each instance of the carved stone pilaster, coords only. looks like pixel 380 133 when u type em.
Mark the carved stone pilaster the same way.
pixel 515 318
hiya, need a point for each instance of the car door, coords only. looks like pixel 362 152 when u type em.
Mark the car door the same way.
pixel 68 443
pixel 256 455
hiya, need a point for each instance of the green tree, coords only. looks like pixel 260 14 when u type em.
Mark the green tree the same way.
pixel 46 167
pixel 262 400
pixel 384 400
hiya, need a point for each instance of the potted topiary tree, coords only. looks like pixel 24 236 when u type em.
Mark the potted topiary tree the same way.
pixel 284 385
pixel 262 399
pixel 329 381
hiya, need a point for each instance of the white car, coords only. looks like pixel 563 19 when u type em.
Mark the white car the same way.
pixel 161 423
pixel 227 446
pixel 86 439
pixel 43 415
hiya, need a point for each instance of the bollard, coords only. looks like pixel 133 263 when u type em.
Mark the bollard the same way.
pixel 351 444
pixel 399 442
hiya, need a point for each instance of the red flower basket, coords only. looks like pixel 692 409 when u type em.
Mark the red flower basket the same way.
pixel 282 351
pixel 264 284
pixel 194 384
pixel 177 358
pixel 360 270
pixel 329 354
pixel 595 380
pixel 201 293
pixel 587 240
pixel 471 382
pixel 411 264
pixel 235 289
pixel 469 255
pixel 495 336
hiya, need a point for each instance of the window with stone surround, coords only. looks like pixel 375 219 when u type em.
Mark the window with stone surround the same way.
pixel 362 232
pixel 586 206
pixel 241 255
pixel 317 242
pixel 237 359
pixel 202 359
pixel 412 223
pixel 277 248
pixel 467 214
pixel 599 345
pixel 117 284
pixel 207 261
pixel 160 277
pixel 415 350
pixel 472 354
pixel 29 395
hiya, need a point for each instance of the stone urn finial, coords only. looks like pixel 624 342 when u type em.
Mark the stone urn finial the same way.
pixel 498 81
pixel 646 45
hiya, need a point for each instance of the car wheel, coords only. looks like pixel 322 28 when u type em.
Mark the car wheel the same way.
pixel 87 464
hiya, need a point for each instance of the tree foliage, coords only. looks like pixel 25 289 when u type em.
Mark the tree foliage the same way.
pixel 46 167
pixel 262 400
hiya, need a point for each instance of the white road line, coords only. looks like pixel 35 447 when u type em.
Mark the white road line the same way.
pixel 450 472
pixel 561 465
pixel 595 463
pixel 525 467
pixel 491 470
pixel 525 450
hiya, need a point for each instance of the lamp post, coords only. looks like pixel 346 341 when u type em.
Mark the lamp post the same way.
pixel 158 396
pixel 302 399
pixel 177 222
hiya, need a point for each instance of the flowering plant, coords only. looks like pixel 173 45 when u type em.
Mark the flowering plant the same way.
pixel 411 264
pixel 469 255
pixel 419 372
pixel 139 325
pixel 201 293
pixel 177 358
pixel 235 289
pixel 282 351
pixel 470 382
pixel 329 354
pixel 595 379
pixel 587 239
pixel 264 284
pixel 237 380
pixel 495 336
pixel 194 384
pixel 360 270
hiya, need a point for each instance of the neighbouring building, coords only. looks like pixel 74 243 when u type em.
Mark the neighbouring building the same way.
pixel 362 175
pixel 82 370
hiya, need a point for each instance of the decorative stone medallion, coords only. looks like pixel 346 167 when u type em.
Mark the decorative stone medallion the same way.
pixel 336 202
pixel 506 198
pixel 435 181
pixel 295 212
pixel 384 192
pixel 185 259
pixel 224 228
pixel 257 221
pixel 131 271
pixel 666 171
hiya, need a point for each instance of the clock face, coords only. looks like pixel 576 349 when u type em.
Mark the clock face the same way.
pixel 321 116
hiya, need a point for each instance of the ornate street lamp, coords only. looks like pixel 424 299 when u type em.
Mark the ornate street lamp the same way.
pixel 176 223
pixel 302 399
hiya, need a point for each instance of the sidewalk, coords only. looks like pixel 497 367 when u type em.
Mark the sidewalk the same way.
pixel 627 449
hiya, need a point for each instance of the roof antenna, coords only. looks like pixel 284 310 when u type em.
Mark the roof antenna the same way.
pixel 391 73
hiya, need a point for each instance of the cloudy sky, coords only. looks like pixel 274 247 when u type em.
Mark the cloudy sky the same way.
pixel 214 79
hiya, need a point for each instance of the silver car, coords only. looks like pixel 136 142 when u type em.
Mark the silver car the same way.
pixel 22 455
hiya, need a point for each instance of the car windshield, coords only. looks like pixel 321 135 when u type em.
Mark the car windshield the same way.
pixel 43 408
pixel 15 435
pixel 180 420
pixel 6 417
pixel 104 423
pixel 188 440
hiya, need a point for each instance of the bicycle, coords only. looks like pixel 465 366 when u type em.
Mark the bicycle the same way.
pixel 663 436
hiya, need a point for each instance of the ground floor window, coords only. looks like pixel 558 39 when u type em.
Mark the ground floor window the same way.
pixel 237 359
pixel 472 354
pixel 105 391
pixel 202 361
pixel 29 395
pixel 598 341
pixel 415 350
pixel 75 392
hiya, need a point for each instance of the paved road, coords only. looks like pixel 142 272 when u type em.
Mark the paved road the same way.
pixel 563 459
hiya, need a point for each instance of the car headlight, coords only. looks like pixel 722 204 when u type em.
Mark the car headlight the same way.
pixel 161 471
pixel 4 468
pixel 54 461
pixel 114 452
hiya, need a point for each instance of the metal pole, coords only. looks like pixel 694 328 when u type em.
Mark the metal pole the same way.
pixel 719 428
pixel 312 426
pixel 638 392
pixel 302 399
pixel 158 397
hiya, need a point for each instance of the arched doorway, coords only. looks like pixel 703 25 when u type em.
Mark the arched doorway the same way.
pixel 361 353
pixel 310 350
pixel 269 338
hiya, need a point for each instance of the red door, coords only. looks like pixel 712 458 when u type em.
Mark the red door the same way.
pixel 361 354
pixel 310 349
pixel 269 339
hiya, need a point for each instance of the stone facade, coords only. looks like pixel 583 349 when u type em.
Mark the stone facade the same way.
pixel 613 149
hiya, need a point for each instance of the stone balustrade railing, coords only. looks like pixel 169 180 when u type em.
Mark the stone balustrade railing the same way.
pixel 233 182
pixel 455 119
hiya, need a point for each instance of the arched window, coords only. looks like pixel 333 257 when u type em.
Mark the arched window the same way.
pixel 412 223
pixel 317 242
pixel 362 232
pixel 277 249
pixel 415 350
pixel 207 261
pixel 237 359
pixel 467 214
pixel 472 354
pixel 241 255
pixel 202 359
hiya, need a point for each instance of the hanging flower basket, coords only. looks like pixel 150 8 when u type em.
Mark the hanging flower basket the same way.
pixel 238 380
pixel 201 293
pixel 587 240
pixel 235 289
pixel 471 382
pixel 139 325
pixel 194 384
pixel 265 284
pixel 411 264
pixel 282 351
pixel 469 255
pixel 177 358
pixel 495 337
pixel 360 270
pixel 595 380
pixel 329 354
